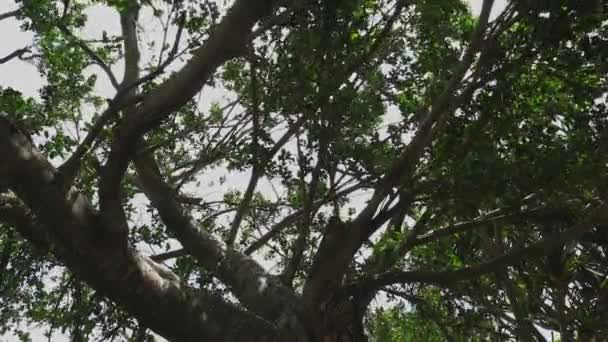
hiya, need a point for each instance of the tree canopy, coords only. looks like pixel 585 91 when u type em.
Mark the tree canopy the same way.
pixel 329 171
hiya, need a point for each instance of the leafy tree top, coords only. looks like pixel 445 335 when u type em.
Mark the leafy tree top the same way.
pixel 407 150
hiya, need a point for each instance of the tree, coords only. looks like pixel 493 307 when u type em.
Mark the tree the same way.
pixel 452 163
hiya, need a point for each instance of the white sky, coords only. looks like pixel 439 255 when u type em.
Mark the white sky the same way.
pixel 25 78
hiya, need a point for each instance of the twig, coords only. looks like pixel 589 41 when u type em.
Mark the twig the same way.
pixel 15 54
pixel 94 56
pixel 10 14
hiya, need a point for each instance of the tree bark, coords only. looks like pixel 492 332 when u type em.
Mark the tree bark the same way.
pixel 145 289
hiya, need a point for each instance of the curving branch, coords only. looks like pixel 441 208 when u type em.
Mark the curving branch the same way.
pixel 147 290
pixel 535 250
pixel 19 53
pixel 110 201
pixel 92 55
pixel 250 283
pixel 228 40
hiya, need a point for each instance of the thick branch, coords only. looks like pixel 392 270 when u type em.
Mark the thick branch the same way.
pixel 128 23
pixel 255 289
pixel 110 200
pixel 360 229
pixel 226 41
pixel 169 255
pixel 145 289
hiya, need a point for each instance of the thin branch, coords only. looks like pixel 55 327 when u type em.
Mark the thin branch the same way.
pixel 496 216
pixel 9 14
pixel 284 223
pixel 231 267
pixel 535 250
pixel 110 201
pixel 226 41
pixel 69 169
pixel 140 285
pixel 293 217
pixel 15 54
pixel 307 217
pixel 405 163
pixel 243 206
pixel 259 162
pixel 173 53
pixel 166 24
pixel 169 255
pixel 94 56
pixel 267 157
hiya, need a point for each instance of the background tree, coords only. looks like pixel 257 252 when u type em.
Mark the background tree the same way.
pixel 401 149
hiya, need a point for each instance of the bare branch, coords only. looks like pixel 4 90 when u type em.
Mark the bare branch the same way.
pixel 69 169
pixel 128 23
pixel 145 289
pixel 241 273
pixel 10 14
pixel 244 206
pixel 465 226
pixel 309 212
pixel 15 54
pixel 169 255
pixel 181 24
pixel 256 174
pixel 292 218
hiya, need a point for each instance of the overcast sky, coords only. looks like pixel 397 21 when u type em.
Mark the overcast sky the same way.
pixel 24 77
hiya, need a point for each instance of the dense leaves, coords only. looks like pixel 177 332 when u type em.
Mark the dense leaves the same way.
pixel 441 142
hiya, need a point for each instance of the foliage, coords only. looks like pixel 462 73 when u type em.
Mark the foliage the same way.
pixel 355 113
